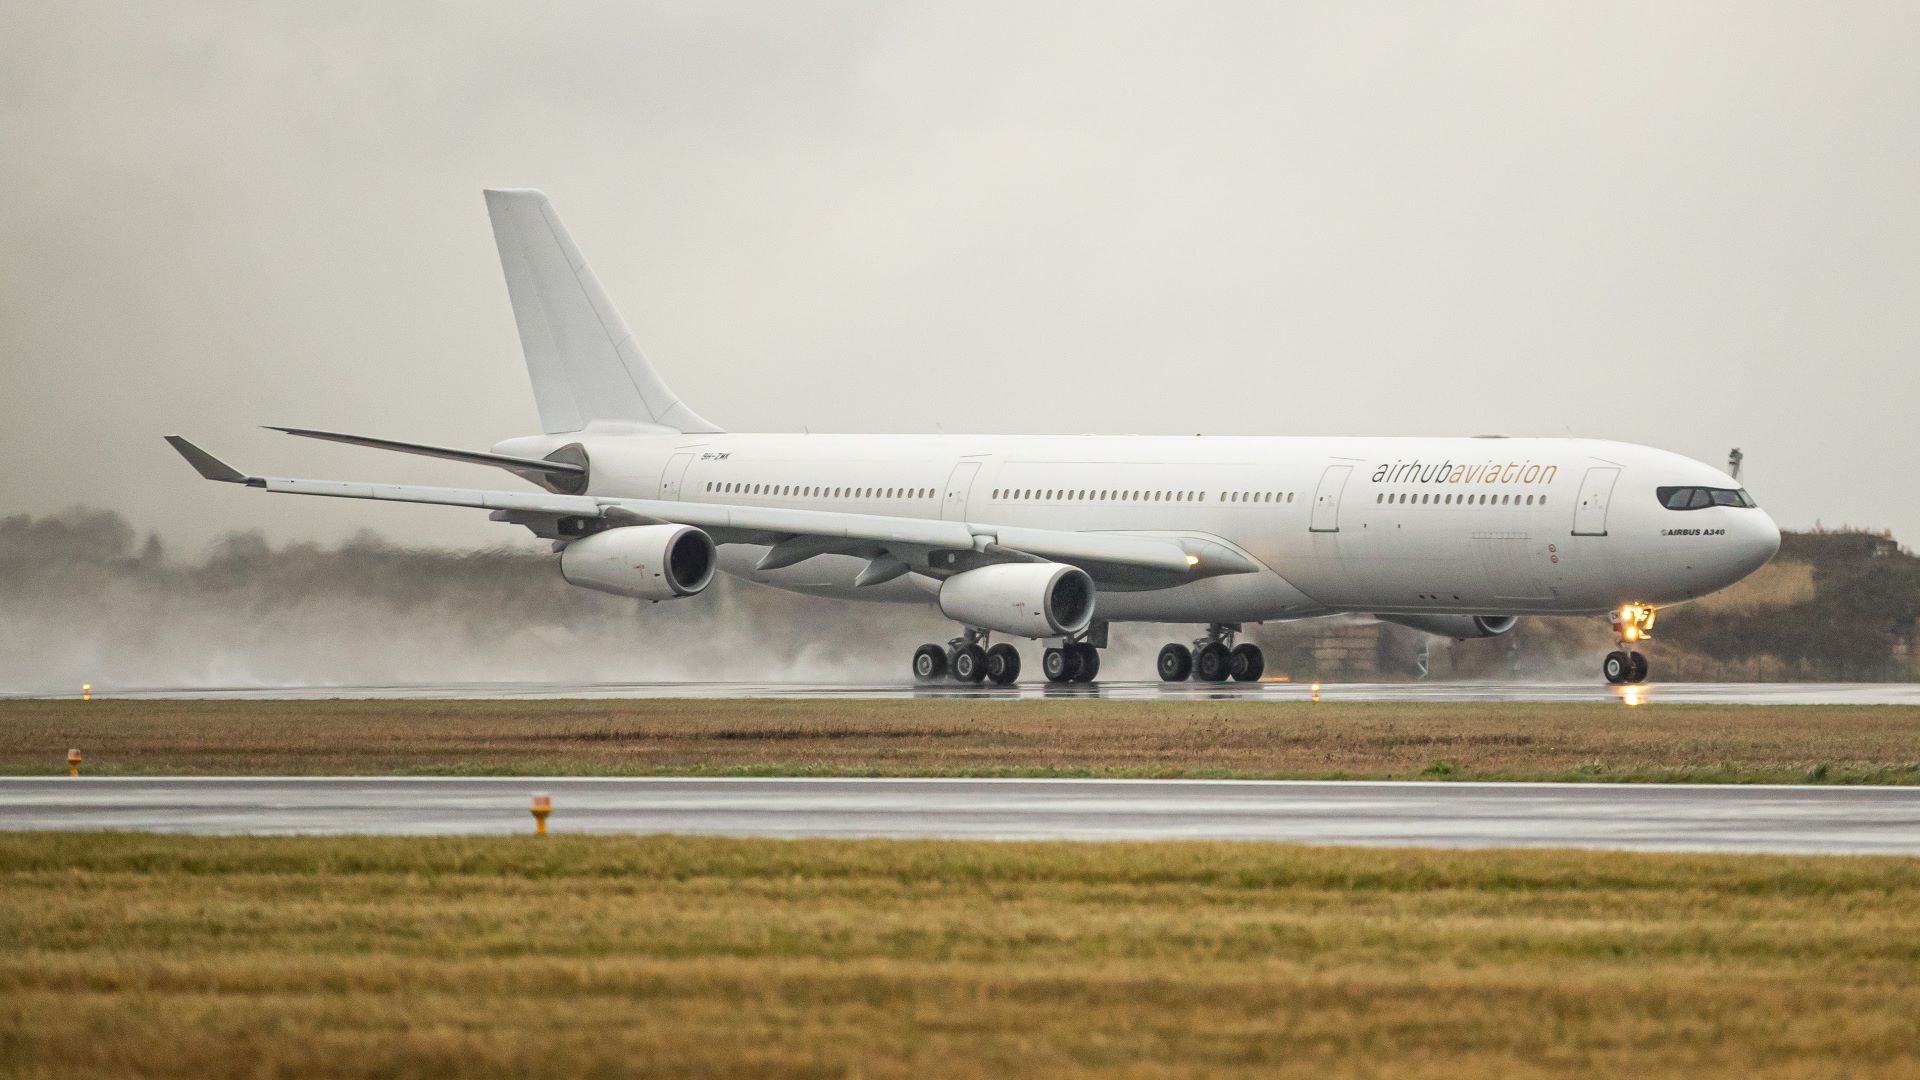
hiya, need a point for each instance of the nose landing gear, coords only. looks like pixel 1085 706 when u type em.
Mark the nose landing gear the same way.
pixel 1634 624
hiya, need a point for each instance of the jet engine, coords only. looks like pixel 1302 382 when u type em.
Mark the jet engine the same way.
pixel 1459 627
pixel 1032 600
pixel 647 562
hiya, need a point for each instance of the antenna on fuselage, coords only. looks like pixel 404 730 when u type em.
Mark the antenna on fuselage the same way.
pixel 1734 458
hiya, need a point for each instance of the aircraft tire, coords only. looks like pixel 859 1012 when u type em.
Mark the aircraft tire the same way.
pixel 1088 666
pixel 1175 663
pixel 1210 663
pixel 929 663
pixel 1637 667
pixel 1617 667
pixel 1057 665
pixel 969 663
pixel 1246 663
pixel 1003 664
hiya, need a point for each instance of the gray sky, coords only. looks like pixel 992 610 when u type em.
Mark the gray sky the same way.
pixel 1691 225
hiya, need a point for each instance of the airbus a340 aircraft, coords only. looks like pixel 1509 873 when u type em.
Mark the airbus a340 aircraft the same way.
pixel 1054 538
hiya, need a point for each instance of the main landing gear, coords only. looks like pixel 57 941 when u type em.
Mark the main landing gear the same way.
pixel 1074 661
pixel 1634 624
pixel 1214 658
pixel 968 659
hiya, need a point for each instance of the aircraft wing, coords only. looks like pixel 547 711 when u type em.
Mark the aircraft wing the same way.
pixel 929 546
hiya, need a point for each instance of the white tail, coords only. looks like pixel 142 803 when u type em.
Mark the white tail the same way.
pixel 583 361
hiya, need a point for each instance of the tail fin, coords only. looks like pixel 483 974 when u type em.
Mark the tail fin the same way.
pixel 583 361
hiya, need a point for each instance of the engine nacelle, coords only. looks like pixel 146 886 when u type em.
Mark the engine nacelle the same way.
pixel 647 562
pixel 1033 600
pixel 1459 627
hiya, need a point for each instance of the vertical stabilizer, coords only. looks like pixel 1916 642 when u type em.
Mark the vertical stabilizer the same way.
pixel 583 361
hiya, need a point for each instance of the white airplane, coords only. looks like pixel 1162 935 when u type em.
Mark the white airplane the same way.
pixel 1056 537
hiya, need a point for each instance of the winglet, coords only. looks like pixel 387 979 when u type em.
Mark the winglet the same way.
pixel 206 464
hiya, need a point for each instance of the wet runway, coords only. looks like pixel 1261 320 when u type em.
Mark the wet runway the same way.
pixel 1118 690
pixel 1858 820
pixel 1594 691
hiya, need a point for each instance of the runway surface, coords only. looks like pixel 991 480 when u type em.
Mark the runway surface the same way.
pixel 1857 820
pixel 1594 691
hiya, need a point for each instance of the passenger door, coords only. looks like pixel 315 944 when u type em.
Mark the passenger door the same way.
pixel 1326 501
pixel 953 506
pixel 1590 513
pixel 673 474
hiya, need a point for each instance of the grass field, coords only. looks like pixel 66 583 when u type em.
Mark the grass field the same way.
pixel 1601 742
pixel 173 956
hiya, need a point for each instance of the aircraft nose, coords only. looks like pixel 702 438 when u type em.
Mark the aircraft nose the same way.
pixel 1759 540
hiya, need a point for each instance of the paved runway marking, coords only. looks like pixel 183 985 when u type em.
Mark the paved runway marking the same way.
pixel 1860 820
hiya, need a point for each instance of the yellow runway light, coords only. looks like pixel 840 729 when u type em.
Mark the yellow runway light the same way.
pixel 1316 691
pixel 542 806
pixel 86 691
pixel 73 762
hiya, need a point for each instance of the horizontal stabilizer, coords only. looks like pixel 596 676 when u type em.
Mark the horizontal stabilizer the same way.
pixel 472 457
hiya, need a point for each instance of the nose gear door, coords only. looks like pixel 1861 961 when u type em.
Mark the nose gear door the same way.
pixel 1590 513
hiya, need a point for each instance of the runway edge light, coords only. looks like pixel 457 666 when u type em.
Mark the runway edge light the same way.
pixel 542 806
pixel 73 762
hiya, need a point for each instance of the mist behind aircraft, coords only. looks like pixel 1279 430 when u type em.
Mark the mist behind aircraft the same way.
pixel 1690 226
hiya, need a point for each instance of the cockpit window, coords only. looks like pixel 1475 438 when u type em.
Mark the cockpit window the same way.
pixel 1699 498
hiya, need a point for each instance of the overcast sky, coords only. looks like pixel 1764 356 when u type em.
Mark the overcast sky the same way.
pixel 1690 225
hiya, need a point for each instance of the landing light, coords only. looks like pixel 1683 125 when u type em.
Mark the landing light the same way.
pixel 1193 560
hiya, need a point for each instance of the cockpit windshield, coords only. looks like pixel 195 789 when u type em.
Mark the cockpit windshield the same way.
pixel 1699 498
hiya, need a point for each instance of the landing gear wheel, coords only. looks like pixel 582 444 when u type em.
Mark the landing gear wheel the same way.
pixel 1618 667
pixel 1175 663
pixel 1089 661
pixel 1246 663
pixel 1058 665
pixel 929 663
pixel 1003 664
pixel 969 663
pixel 1637 667
pixel 1210 663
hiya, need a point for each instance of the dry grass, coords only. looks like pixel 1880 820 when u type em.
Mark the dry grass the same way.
pixel 171 956
pixel 1835 744
pixel 1777 584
